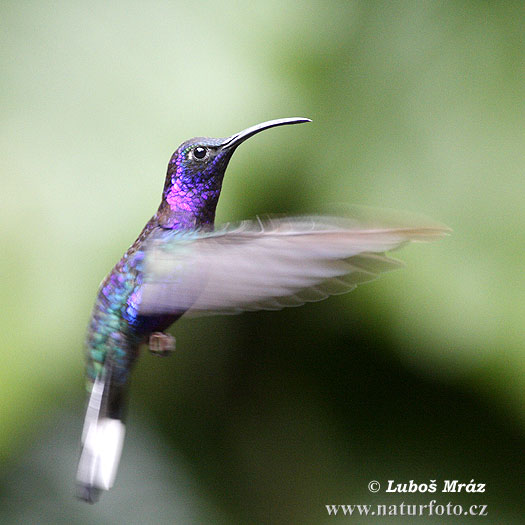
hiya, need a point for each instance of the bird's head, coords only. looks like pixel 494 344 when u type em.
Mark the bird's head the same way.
pixel 196 170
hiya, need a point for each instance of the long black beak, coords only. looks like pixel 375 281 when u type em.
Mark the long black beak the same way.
pixel 233 141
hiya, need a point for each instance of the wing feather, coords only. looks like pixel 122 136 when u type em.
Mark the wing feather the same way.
pixel 268 264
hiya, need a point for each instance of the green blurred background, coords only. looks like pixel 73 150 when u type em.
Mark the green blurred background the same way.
pixel 266 418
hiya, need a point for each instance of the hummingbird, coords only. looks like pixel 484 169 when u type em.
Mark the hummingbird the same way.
pixel 181 264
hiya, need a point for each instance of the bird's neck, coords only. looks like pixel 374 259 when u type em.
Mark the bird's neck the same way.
pixel 188 207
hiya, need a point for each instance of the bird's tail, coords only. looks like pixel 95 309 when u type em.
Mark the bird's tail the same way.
pixel 102 435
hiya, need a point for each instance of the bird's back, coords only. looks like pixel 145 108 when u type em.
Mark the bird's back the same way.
pixel 115 330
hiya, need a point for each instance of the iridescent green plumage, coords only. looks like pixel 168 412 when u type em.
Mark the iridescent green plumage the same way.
pixel 110 333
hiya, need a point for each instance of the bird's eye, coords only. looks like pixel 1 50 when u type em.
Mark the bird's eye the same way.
pixel 199 152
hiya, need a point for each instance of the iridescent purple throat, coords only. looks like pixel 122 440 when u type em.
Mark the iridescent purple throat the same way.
pixel 190 198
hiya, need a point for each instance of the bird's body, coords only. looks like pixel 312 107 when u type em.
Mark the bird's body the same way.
pixel 180 264
pixel 116 328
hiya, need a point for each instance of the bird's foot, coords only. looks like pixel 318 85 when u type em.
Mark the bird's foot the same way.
pixel 161 344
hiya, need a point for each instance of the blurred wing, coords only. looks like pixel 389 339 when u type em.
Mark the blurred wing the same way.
pixel 268 265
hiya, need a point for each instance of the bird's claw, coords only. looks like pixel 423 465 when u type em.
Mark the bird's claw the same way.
pixel 161 344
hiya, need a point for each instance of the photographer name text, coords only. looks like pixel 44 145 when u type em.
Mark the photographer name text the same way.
pixel 449 485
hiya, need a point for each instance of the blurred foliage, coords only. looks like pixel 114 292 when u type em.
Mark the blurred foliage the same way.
pixel 268 417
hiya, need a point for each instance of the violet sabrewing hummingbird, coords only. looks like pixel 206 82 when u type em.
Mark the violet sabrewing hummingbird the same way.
pixel 180 265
